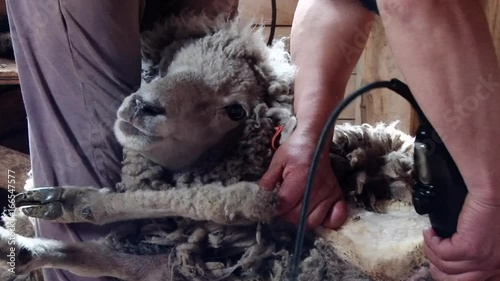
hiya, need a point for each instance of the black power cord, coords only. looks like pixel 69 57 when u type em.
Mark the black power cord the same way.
pixel 394 85
pixel 273 22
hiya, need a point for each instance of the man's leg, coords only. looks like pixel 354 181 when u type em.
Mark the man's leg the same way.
pixel 446 53
pixel 77 60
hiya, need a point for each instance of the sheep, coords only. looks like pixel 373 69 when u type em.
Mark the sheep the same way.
pixel 197 138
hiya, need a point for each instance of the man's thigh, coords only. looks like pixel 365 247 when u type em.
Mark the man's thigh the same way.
pixel 77 60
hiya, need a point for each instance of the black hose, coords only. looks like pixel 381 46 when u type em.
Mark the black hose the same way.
pixel 273 23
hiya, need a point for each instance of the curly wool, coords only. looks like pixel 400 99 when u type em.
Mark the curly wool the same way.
pixel 373 163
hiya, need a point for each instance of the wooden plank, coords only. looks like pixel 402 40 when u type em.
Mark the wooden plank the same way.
pixel 259 11
pixel 8 72
pixel 15 164
pixel 378 64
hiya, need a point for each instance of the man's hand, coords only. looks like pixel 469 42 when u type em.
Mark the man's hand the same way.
pixel 473 253
pixel 290 168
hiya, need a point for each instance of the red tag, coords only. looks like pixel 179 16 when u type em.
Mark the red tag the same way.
pixel 276 137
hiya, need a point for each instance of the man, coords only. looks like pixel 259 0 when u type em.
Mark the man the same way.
pixel 446 54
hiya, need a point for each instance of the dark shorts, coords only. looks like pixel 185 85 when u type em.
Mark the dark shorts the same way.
pixel 77 60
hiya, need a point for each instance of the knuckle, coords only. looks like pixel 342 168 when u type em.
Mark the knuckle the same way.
pixel 267 183
pixel 436 273
pixel 313 223
pixel 428 253
pixel 440 267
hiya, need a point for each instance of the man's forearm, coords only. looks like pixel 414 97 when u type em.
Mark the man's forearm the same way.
pixel 446 54
pixel 327 39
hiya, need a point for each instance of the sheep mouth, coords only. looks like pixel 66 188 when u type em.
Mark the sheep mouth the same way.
pixel 129 129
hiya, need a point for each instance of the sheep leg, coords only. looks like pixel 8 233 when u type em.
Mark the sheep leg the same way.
pixel 20 255
pixel 241 203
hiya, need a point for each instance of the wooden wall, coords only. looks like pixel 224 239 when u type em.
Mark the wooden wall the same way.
pixel 376 63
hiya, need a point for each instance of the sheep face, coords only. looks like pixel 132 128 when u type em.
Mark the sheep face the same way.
pixel 196 107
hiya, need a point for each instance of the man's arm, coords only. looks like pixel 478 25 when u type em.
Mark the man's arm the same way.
pixel 327 39
pixel 446 54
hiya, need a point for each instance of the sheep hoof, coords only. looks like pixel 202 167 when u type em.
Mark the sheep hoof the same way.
pixel 38 196
pixel 60 204
pixel 50 211
pixel 41 203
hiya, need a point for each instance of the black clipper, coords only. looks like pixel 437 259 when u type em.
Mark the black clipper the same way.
pixel 440 189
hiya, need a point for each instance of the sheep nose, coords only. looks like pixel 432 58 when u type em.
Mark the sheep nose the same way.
pixel 144 108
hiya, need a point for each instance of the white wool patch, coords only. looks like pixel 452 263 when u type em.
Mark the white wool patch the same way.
pixel 384 246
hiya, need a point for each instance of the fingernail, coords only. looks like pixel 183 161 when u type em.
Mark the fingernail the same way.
pixel 434 237
pixel 426 229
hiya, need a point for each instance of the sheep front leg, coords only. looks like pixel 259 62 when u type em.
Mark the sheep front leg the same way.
pixel 20 255
pixel 241 203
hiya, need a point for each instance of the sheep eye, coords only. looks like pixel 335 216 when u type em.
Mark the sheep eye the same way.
pixel 235 112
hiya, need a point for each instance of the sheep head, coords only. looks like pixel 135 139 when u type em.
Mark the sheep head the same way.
pixel 207 90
